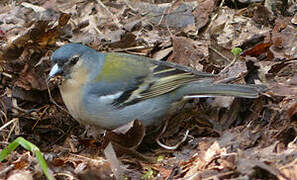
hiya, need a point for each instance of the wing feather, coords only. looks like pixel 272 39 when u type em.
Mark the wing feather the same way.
pixel 163 78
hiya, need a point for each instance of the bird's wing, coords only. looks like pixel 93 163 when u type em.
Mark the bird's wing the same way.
pixel 147 78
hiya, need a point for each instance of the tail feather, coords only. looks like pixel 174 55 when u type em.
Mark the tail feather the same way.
pixel 196 90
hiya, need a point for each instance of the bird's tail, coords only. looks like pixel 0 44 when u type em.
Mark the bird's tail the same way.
pixel 196 90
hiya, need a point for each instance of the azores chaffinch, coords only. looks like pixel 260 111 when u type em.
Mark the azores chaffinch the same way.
pixel 108 90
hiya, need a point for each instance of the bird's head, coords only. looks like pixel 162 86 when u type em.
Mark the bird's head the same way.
pixel 70 58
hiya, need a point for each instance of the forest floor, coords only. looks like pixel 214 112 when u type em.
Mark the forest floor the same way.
pixel 228 138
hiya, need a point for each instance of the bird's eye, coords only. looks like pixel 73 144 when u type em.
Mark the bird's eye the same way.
pixel 74 60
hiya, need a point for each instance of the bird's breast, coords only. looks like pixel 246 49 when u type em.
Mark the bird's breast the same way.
pixel 72 92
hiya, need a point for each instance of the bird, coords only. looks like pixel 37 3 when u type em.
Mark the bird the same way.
pixel 109 90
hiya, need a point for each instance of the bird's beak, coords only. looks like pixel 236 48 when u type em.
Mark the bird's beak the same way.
pixel 56 70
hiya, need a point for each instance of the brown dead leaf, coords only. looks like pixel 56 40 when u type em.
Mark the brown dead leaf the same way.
pixel 30 95
pixel 188 52
pixel 101 172
pixel 30 79
pixel 41 33
pixel 258 49
pixel 278 67
pixel 283 89
pixel 59 161
pixel 292 111
pixel 256 169
pixel 179 17
pixel 284 43
pixel 214 150
pixel 127 40
pixel 21 164
pixel 202 13
pixel 162 53
pixel 231 30
pixel 261 15
pixel 289 171
pixel 286 136
pixel 2 34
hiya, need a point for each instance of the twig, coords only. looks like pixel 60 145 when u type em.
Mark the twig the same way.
pixel 229 65
pixel 5 116
pixel 289 60
pixel 129 5
pixel 218 176
pixel 132 48
pixel 42 114
pixel 222 3
pixel 8 123
pixel 69 176
pixel 220 54
pixel 170 147
pixel 16 107
pixel 52 100
pixel 6 74
pixel 11 129
pixel 111 14
pixel 7 169
pixel 175 146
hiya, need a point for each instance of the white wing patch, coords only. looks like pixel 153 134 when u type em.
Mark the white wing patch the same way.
pixel 111 97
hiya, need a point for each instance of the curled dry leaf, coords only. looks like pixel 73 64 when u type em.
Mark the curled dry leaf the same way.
pixel 129 135
pixel 42 33
pixel 292 111
pixel 231 30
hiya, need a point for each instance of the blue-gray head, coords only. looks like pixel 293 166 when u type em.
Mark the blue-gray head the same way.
pixel 67 56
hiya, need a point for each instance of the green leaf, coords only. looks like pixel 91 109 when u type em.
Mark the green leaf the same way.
pixel 30 147
pixel 149 174
pixel 160 158
pixel 236 51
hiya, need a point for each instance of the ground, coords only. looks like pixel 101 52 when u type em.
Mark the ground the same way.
pixel 243 42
